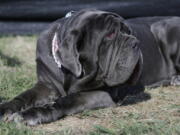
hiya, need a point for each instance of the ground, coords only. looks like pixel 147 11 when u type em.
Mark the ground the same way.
pixel 154 112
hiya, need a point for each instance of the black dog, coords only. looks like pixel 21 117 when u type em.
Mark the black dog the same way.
pixel 93 59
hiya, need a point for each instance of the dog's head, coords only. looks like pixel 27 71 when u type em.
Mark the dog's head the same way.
pixel 93 40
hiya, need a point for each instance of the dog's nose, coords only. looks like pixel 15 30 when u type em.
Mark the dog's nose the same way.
pixel 134 46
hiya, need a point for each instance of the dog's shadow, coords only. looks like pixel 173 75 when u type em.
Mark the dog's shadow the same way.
pixel 9 61
pixel 129 100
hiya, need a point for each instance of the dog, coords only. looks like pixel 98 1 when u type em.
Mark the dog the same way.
pixel 93 59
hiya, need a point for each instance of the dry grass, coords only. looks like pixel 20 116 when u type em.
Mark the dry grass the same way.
pixel 163 107
pixel 156 111
pixel 17 65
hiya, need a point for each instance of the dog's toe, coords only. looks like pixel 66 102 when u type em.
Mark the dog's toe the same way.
pixel 175 80
pixel 16 117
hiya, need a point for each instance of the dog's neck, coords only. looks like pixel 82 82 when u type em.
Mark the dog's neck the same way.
pixel 55 46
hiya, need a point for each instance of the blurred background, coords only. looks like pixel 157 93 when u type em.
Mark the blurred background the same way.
pixel 32 16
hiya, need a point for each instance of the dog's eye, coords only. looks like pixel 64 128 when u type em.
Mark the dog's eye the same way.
pixel 111 35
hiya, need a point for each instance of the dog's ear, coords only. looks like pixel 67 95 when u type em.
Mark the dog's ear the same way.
pixel 68 53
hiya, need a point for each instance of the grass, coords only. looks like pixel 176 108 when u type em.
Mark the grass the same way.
pixel 155 112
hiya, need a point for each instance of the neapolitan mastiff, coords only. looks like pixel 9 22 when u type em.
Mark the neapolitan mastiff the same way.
pixel 94 59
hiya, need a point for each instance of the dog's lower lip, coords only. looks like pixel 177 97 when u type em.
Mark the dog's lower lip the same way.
pixel 136 72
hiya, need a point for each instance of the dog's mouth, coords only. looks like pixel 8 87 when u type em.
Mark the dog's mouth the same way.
pixel 125 75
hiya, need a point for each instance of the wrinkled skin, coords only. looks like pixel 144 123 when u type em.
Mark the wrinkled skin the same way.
pixel 94 59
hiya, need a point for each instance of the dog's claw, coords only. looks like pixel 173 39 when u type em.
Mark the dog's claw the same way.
pixel 175 80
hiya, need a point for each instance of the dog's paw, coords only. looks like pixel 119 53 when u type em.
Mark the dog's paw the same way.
pixel 31 121
pixel 16 117
pixel 19 118
pixel 175 80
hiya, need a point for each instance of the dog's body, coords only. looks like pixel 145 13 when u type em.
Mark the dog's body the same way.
pixel 159 42
pixel 94 59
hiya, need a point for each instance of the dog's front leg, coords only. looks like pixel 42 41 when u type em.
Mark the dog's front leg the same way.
pixel 39 95
pixel 68 105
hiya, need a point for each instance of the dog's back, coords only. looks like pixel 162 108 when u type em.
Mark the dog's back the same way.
pixel 159 43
